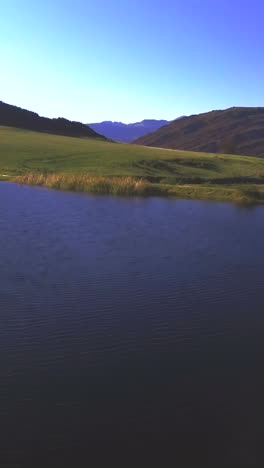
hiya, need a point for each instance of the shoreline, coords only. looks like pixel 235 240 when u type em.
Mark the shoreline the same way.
pixel 134 187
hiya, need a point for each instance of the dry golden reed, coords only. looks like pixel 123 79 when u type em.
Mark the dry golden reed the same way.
pixel 127 186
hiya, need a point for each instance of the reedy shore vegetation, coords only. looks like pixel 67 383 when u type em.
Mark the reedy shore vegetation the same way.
pixel 126 186
pixel 83 164
pixel 129 186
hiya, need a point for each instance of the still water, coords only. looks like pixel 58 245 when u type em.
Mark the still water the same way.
pixel 130 321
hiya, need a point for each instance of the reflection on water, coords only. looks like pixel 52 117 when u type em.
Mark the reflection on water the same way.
pixel 128 320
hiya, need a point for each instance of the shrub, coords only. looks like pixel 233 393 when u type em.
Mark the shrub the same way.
pixel 250 192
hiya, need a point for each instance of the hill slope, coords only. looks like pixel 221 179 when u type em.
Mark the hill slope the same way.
pixel 69 163
pixel 126 133
pixel 21 118
pixel 22 151
pixel 238 130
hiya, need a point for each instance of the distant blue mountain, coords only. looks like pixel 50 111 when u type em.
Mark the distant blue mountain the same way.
pixel 126 133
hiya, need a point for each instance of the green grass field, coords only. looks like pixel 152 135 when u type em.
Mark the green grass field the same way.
pixel 180 173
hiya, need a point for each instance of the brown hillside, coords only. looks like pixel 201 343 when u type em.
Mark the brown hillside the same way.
pixel 238 130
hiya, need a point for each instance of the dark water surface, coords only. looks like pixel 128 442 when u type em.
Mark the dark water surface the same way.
pixel 130 322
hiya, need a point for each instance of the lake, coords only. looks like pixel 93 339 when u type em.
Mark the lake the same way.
pixel 130 321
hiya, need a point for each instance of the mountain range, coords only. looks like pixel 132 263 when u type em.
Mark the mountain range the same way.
pixel 237 130
pixel 13 116
pixel 126 133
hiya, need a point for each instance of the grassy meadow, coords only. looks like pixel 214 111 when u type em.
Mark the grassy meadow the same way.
pixel 90 165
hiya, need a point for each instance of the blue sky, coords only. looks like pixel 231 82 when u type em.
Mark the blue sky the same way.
pixel 128 60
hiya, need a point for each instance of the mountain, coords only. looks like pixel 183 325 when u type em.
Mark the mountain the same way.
pixel 12 116
pixel 126 133
pixel 237 130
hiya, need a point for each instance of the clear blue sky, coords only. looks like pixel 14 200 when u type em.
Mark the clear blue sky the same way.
pixel 126 60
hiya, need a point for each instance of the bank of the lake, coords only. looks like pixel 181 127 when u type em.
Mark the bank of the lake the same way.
pixel 129 186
